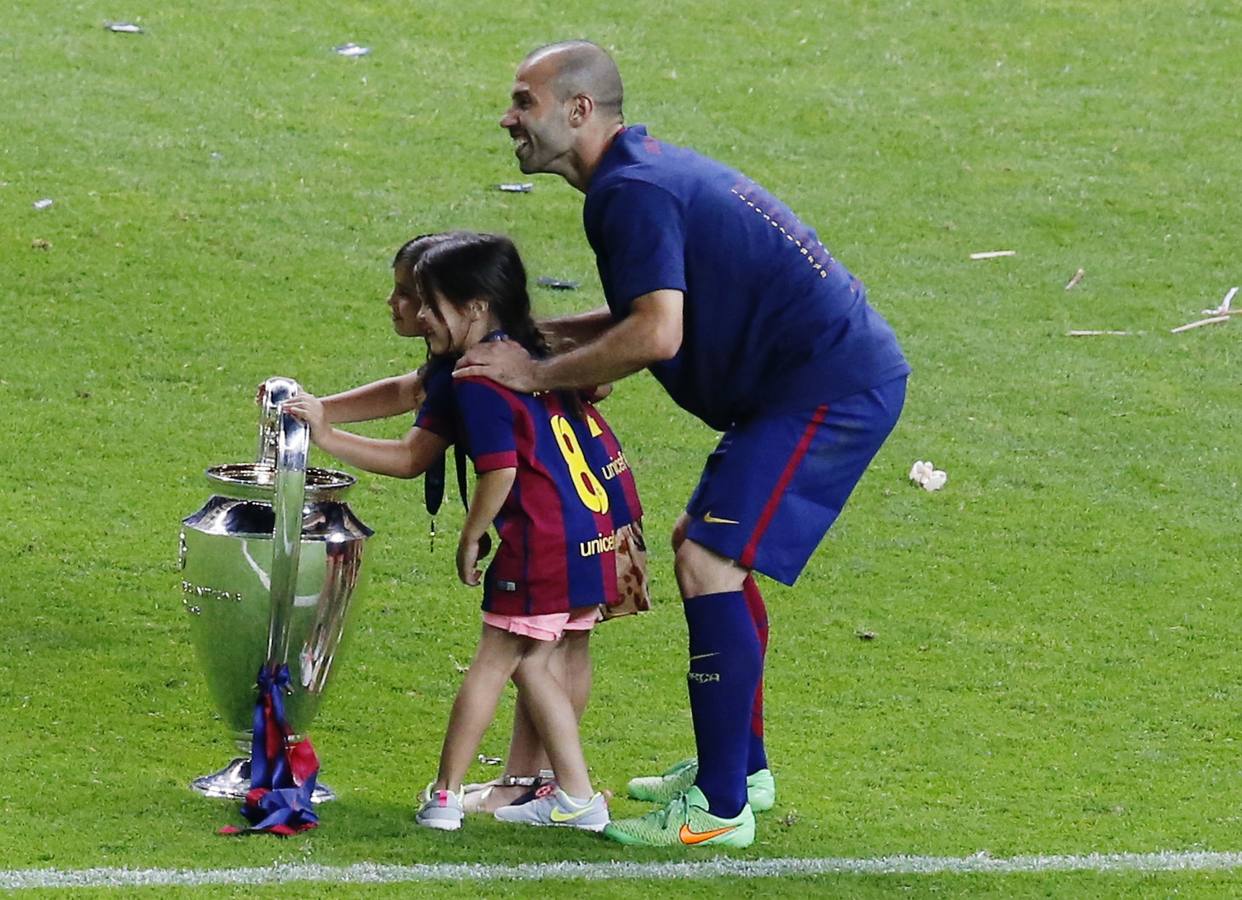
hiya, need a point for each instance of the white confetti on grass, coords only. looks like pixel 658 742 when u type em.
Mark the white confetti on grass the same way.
pixel 1223 309
pixel 1189 326
pixel 1214 316
pixel 925 474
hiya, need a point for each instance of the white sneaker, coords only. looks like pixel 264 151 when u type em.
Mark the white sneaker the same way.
pixel 440 809
pixel 552 806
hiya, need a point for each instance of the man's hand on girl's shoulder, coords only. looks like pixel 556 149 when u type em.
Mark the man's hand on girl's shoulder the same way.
pixel 504 362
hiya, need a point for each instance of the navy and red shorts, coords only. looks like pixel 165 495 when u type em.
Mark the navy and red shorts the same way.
pixel 775 484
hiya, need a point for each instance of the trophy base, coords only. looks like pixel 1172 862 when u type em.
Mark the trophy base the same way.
pixel 233 783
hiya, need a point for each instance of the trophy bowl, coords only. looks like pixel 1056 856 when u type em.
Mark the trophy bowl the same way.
pixel 270 568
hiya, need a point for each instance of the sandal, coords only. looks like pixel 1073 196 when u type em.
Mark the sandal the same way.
pixel 476 795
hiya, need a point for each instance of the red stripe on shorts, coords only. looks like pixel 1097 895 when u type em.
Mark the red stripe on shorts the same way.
pixel 747 558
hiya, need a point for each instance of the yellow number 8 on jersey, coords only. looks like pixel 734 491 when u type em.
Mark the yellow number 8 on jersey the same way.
pixel 590 491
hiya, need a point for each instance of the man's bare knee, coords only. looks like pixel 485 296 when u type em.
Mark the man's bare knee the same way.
pixel 702 571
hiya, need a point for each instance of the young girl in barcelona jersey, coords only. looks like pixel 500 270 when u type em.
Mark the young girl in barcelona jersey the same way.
pixel 537 460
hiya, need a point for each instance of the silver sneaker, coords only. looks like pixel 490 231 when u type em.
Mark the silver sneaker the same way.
pixel 552 806
pixel 440 809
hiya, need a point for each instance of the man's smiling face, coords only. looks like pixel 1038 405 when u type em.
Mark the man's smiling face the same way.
pixel 536 120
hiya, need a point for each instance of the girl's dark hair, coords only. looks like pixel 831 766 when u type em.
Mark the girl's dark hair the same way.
pixel 409 255
pixel 464 265
pixel 413 249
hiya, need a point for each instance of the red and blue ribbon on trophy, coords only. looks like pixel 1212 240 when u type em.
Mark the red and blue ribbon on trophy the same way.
pixel 282 771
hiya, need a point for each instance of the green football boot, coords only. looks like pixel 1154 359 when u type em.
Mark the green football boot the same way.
pixel 761 790
pixel 760 786
pixel 664 787
pixel 685 822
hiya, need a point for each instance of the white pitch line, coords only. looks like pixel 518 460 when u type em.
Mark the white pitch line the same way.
pixel 372 873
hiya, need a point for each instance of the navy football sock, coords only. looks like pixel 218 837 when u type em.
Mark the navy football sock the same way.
pixel 725 667
pixel 758 757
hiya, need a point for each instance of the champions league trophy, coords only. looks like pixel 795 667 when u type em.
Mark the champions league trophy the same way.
pixel 270 566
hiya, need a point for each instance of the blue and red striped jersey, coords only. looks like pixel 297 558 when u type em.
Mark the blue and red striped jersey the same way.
pixel 600 445
pixel 557 525
pixel 612 469
pixel 437 412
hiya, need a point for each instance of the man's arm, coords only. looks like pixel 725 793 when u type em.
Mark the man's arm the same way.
pixel 651 333
pixel 567 332
pixel 377 400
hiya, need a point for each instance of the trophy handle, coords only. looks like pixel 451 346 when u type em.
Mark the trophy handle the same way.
pixel 291 445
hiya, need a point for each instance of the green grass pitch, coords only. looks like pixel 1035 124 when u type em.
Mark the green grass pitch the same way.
pixel 1054 667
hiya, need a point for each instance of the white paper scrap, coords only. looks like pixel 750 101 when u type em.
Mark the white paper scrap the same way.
pixel 924 474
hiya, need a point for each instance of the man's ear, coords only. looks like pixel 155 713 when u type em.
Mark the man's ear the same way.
pixel 581 107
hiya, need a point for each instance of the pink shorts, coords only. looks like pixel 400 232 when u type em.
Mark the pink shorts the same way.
pixel 548 627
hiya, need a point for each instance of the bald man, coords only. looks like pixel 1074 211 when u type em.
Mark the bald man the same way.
pixel 751 325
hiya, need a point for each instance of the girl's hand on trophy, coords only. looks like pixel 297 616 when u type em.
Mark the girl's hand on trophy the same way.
pixel 309 409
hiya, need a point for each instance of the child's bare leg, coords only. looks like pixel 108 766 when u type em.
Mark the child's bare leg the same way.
pixel 525 760
pixel 493 665
pixel 526 754
pixel 552 714
pixel 571 664
pixel 575 669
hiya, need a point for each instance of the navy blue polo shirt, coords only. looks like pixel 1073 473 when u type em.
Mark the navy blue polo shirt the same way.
pixel 772 322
